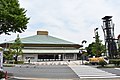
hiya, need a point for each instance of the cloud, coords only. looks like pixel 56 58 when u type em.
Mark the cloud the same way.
pixel 72 20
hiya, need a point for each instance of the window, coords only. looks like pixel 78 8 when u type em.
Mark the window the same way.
pixel 69 56
pixel 29 57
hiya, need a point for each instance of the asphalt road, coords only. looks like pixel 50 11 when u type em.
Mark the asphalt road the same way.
pixel 44 71
pixel 111 70
pixel 51 72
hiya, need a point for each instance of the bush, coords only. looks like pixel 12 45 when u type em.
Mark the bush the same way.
pixel 86 63
pixel 19 62
pixel 8 65
pixel 102 63
pixel 2 74
pixel 116 62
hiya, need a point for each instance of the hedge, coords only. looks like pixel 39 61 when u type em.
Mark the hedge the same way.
pixel 116 62
pixel 19 62
pixel 2 74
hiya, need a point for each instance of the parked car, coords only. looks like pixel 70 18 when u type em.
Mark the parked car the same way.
pixel 96 60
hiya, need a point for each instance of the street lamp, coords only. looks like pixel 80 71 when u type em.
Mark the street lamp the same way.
pixel 84 41
pixel 95 32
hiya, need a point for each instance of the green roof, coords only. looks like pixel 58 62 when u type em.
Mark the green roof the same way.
pixel 42 39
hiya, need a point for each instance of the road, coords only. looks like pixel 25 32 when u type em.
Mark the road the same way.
pixel 60 71
pixel 112 70
pixel 43 71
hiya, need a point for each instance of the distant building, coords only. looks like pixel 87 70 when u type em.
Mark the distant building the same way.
pixel 42 47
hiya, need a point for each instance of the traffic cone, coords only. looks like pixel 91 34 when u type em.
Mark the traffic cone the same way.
pixel 6 75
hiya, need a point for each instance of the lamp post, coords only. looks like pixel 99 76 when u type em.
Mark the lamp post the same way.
pixel 84 41
pixel 95 32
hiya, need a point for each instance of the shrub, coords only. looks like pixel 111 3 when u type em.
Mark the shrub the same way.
pixel 116 62
pixel 8 65
pixel 2 74
pixel 102 63
pixel 86 63
pixel 18 62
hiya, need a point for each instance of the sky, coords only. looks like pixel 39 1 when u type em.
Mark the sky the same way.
pixel 72 20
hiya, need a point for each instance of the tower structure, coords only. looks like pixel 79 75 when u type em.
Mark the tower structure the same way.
pixel 110 44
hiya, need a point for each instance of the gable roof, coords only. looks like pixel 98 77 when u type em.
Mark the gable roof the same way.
pixel 42 39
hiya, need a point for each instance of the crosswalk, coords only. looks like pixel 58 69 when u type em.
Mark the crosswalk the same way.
pixel 51 63
pixel 84 71
pixel 58 63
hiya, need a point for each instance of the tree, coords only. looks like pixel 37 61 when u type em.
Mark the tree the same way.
pixel 95 51
pixel 16 48
pixel 89 49
pixel 12 17
pixel 99 47
pixel 7 55
pixel 96 48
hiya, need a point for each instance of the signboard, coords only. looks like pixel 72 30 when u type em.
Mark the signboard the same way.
pixel 1 57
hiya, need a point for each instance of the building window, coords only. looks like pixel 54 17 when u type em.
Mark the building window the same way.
pixel 69 56
pixel 46 56
pixel 29 57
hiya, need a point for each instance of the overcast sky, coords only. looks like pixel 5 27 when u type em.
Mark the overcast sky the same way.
pixel 72 20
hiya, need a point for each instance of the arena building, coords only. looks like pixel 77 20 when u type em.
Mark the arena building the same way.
pixel 43 47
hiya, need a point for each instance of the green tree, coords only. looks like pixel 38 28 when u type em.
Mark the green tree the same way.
pixel 89 49
pixel 8 56
pixel 16 48
pixel 96 48
pixel 12 17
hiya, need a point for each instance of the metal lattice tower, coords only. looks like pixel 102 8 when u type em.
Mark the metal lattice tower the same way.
pixel 108 29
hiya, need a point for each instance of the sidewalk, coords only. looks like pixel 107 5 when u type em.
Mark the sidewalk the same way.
pixel 88 72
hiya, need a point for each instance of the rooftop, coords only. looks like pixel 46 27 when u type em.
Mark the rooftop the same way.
pixel 42 37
